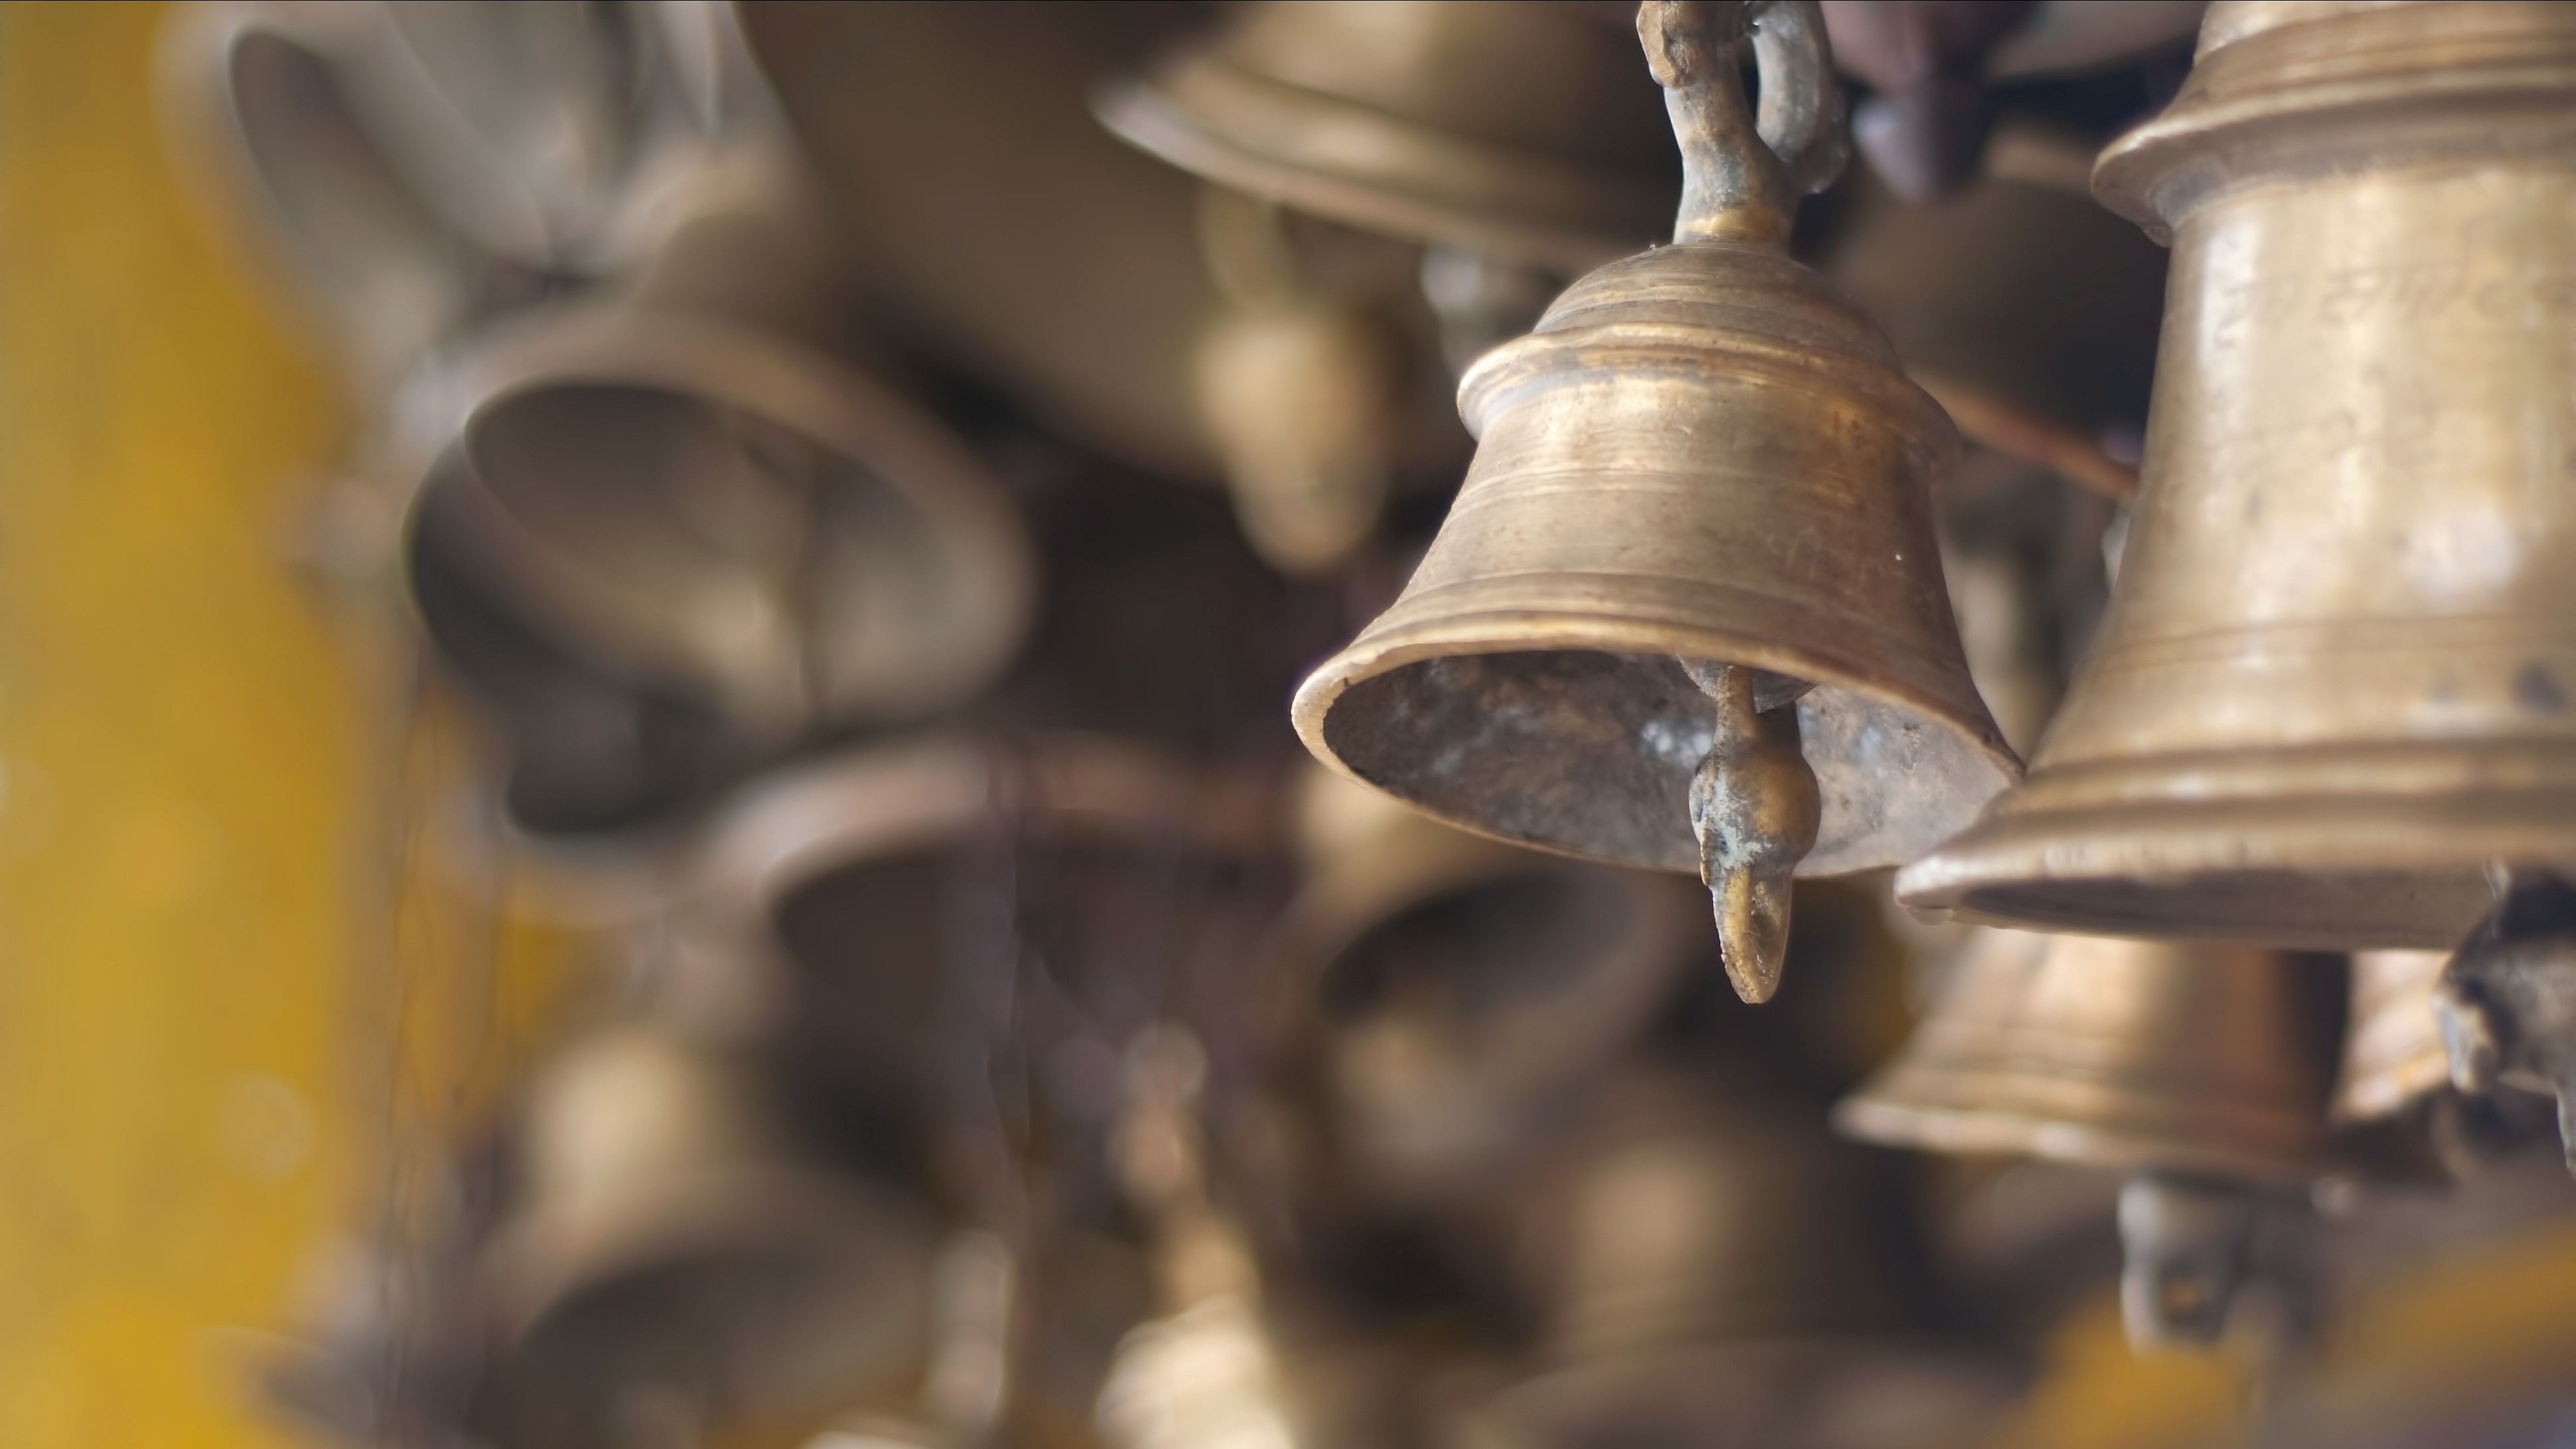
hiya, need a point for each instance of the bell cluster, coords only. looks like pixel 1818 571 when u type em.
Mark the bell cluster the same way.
pixel 1449 725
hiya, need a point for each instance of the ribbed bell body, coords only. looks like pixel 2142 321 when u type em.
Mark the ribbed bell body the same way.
pixel 1525 131
pixel 1701 453
pixel 2338 675
pixel 2125 1055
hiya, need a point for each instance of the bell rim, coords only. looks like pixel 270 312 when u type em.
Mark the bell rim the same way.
pixel 2243 89
pixel 1873 1115
pixel 2034 865
pixel 900 447
pixel 1378 652
pixel 1145 114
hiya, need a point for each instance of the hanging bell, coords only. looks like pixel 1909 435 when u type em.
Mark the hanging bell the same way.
pixel 1717 1270
pixel 676 1257
pixel 1514 131
pixel 2392 1052
pixel 2334 683
pixel 1458 992
pixel 903 890
pixel 681 483
pixel 2201 1072
pixel 1687 612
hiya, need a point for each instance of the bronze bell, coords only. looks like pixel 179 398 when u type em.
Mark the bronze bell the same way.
pixel 1687 612
pixel 1715 1268
pixel 2334 683
pixel 674 1252
pixel 2202 1072
pixel 1519 131
pixel 682 480
pixel 1456 990
pixel 2392 1052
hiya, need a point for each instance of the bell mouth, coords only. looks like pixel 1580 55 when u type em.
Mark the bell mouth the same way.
pixel 724 508
pixel 1506 977
pixel 596 752
pixel 2366 847
pixel 270 104
pixel 1962 1114
pixel 760 1290
pixel 1589 752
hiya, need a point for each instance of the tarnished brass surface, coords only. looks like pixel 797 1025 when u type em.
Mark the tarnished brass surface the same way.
pixel 681 480
pixel 2128 1055
pixel 1524 131
pixel 1457 990
pixel 2392 1050
pixel 1700 455
pixel 2335 679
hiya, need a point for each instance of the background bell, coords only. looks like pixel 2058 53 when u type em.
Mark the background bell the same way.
pixel 1456 992
pixel 679 1256
pixel 2188 1068
pixel 682 481
pixel 2334 682
pixel 1714 1267
pixel 1703 475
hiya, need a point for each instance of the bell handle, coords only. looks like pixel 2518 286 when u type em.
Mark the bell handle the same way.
pixel 1742 175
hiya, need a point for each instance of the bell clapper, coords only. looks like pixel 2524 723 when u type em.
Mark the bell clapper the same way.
pixel 1754 807
pixel 2507 1000
pixel 2186 1245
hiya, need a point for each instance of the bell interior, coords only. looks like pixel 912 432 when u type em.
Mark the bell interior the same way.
pixel 349 212
pixel 1591 752
pixel 731 538
pixel 592 751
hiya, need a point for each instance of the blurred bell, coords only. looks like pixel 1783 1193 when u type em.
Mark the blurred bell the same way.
pixel 1521 131
pixel 683 483
pixel 923 900
pixel 1723 1272
pixel 1687 612
pixel 678 1256
pixel 1458 991
pixel 2334 683
pixel 2203 1072
pixel 2392 1052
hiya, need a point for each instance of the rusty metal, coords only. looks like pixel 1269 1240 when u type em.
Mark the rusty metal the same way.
pixel 1457 992
pixel 2202 1072
pixel 1701 457
pixel 1522 132
pixel 1715 1268
pixel 682 479
pixel 2333 684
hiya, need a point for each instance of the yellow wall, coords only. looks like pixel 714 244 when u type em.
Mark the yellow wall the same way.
pixel 195 1001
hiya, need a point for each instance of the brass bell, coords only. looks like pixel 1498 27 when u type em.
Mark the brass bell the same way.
pixel 899 890
pixel 1687 612
pixel 2201 1072
pixel 1516 131
pixel 2334 681
pixel 1720 1270
pixel 675 1255
pixel 1457 991
pixel 681 482
pixel 2392 1054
